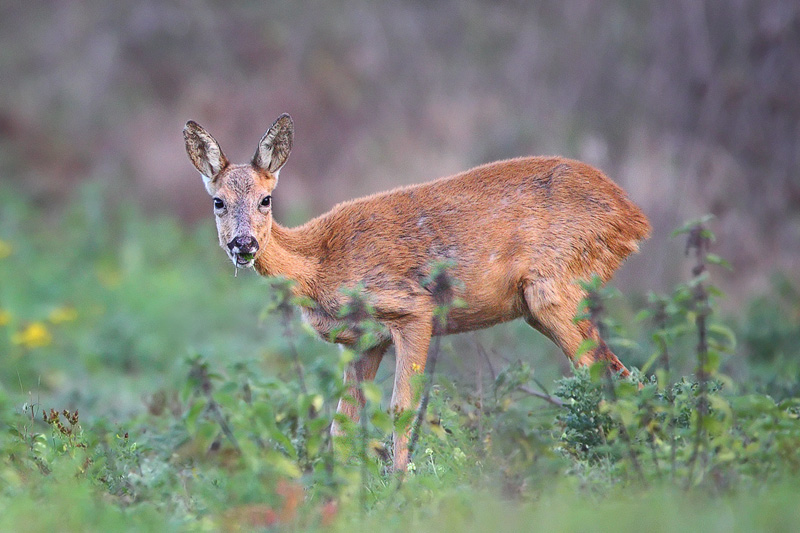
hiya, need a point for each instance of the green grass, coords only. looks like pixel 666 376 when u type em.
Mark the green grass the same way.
pixel 191 415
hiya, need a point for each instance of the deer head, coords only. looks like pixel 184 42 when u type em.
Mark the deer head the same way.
pixel 242 194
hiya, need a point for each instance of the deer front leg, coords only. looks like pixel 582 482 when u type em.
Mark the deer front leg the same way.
pixel 411 344
pixel 363 368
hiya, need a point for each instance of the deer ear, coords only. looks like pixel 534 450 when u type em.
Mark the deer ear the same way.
pixel 204 151
pixel 273 149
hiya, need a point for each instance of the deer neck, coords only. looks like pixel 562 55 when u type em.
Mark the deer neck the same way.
pixel 289 253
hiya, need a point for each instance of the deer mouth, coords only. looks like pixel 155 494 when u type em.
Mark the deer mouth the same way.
pixel 244 260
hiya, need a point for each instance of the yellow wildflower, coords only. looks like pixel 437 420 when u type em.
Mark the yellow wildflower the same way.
pixel 35 335
pixel 416 368
pixel 63 314
pixel 5 249
pixel 5 317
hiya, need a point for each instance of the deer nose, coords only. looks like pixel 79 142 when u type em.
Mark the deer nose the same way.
pixel 243 245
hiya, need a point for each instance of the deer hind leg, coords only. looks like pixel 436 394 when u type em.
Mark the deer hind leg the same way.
pixel 363 368
pixel 552 306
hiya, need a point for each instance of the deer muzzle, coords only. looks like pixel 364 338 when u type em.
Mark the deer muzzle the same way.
pixel 243 250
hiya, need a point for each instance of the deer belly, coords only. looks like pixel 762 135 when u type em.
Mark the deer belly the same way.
pixel 460 320
pixel 344 332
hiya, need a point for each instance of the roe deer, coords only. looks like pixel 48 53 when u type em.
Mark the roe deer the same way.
pixel 520 234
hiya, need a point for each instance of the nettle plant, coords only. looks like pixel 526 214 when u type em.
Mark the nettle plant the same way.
pixel 245 441
pixel 282 423
pixel 695 429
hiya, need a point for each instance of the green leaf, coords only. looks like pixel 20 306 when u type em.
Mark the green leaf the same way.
pixel 626 412
pixel 192 415
pixel 304 301
pixel 372 392
pixel 344 422
pixel 381 420
pixel 334 333
pixel 724 332
pixel 688 226
pixel 317 401
pixel 697 280
pixel 752 405
pixel 715 292
pixel 626 389
pixel 403 420
pixel 266 415
pixel 283 464
pixel 318 425
pixel 226 399
pixel 346 356
pixel 438 430
pixel 708 234
pixel 597 371
pixel 653 358
pixel 622 342
pixel 594 283
pixel 661 377
pixel 278 436
pixel 712 362
pixel 367 340
pixel 720 405
pixel 585 346
pixel 313 444
pixel 714 259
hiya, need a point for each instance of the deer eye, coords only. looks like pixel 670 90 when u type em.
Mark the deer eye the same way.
pixel 266 201
pixel 219 204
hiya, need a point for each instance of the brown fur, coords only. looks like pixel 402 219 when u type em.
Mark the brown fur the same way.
pixel 520 233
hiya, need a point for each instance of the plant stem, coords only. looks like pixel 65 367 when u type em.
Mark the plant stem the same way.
pixel 624 435
pixel 699 242
pixel 206 387
pixel 286 321
pixel 543 395
pixel 479 391
pixel 362 492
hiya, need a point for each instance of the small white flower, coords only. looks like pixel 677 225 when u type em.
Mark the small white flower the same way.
pixel 428 451
pixel 411 467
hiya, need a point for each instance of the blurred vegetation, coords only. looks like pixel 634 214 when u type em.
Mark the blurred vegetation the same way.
pixel 692 106
pixel 143 387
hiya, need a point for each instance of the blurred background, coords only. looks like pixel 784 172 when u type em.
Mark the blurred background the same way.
pixel 692 106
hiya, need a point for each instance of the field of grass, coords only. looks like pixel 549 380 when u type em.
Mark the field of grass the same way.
pixel 142 386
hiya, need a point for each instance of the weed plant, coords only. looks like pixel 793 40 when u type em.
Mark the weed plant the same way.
pixel 142 390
